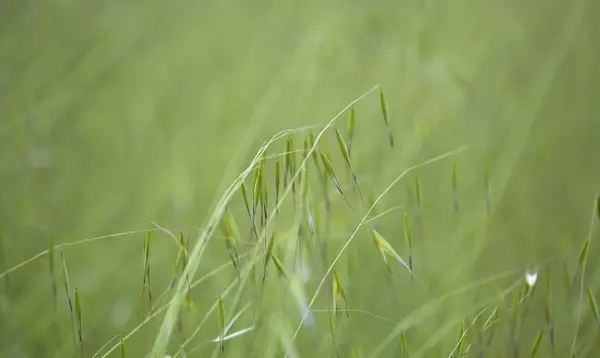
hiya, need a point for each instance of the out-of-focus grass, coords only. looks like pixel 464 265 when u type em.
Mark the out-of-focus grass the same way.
pixel 117 114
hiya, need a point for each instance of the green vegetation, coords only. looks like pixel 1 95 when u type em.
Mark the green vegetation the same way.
pixel 425 188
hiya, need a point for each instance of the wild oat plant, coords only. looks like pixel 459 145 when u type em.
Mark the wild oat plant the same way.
pixel 292 293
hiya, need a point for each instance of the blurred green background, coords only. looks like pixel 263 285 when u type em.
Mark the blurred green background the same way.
pixel 115 114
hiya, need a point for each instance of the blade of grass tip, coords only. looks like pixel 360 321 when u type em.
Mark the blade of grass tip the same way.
pixel 232 234
pixel 311 139
pixel 548 308
pixel 232 254
pixel 598 206
pixel 256 194
pixel 582 259
pixel 536 343
pixel 329 169
pixel 418 192
pixel 78 315
pixel 269 255
pixel 579 275
pixel 245 197
pixel 350 130
pixel 304 179
pixel 221 324
pixel 146 281
pixel 232 227
pixel 404 345
pixel 495 316
pixel 461 340
pixel 292 161
pixel 338 292
pixel 123 349
pixel 593 305
pixel 344 151
pixel 408 236
pixel 185 263
pixel 386 118
pixel 264 190
pixel 333 338
pixel 287 158
pixel 455 185
pixel 179 261
pixel 279 265
pixel 487 185
pixel 65 276
pixel 277 182
pixel 325 149
pixel 51 270
pixel 247 205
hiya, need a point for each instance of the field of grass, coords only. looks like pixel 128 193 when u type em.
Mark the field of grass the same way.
pixel 458 139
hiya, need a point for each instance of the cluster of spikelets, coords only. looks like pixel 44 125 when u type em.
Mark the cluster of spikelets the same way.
pixel 294 173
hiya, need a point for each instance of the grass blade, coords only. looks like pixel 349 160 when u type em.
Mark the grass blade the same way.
pixel 123 349
pixel 269 255
pixel 221 323
pixel 277 182
pixel 279 265
pixel 386 117
pixel 333 338
pixel 246 203
pixel 344 151
pixel 404 345
pixel 460 352
pixel 582 258
pixel 408 237
pixel 548 309
pixel 350 130
pixel 78 316
pixel 289 161
pixel 264 191
pixel 329 169
pixel 536 343
pixel 65 276
pixel 311 139
pixel 146 281
pixel 338 292
pixel 230 230
pixel 51 271
pixel 487 185
pixel 593 305
pixel 598 206
pixel 256 193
